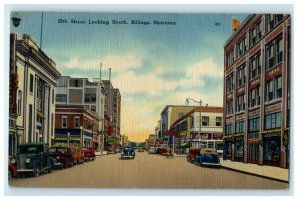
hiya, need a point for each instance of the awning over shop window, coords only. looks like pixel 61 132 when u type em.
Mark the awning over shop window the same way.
pixel 184 145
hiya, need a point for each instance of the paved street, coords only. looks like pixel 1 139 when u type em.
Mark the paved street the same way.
pixel 146 171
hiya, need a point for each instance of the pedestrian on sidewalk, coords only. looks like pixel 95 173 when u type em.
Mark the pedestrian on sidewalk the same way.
pixel 168 152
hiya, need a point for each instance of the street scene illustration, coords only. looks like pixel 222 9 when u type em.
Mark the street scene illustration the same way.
pixel 149 100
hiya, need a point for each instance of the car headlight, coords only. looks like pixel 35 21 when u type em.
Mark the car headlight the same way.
pixel 27 160
pixel 13 161
pixel 122 153
pixel 57 157
pixel 132 153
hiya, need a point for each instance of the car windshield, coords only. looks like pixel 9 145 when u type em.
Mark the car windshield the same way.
pixel 84 148
pixel 128 149
pixel 51 150
pixel 28 149
pixel 73 150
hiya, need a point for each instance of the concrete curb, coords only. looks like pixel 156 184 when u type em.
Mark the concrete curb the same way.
pixel 258 175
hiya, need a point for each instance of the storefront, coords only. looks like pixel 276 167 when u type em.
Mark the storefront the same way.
pixel 253 148
pixel 271 152
pixel 227 153
pixel 239 149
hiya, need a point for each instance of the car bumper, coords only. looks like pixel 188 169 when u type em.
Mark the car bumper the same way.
pixel 127 156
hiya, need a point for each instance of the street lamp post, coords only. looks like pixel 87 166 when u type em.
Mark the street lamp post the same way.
pixel 200 103
pixel 81 136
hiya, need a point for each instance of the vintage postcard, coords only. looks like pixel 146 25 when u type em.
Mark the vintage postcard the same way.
pixel 149 100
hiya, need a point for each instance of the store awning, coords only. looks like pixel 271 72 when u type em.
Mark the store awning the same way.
pixel 186 145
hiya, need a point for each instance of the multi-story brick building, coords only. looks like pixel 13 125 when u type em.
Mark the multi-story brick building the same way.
pixel 112 108
pixel 199 128
pixel 82 92
pixel 33 77
pixel 76 125
pixel 257 90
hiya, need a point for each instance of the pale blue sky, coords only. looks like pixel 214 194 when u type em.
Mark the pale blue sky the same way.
pixel 152 65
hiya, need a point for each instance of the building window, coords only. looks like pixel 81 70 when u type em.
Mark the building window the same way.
pixel 76 83
pixel 240 76
pixel 229 83
pixel 64 122
pixel 274 57
pixel 53 96
pixel 31 84
pixel 205 121
pixel 228 130
pixel 61 98
pixel 254 97
pixel 277 84
pixel 93 97
pixel 19 105
pixel 241 46
pixel 240 103
pixel 254 124
pixel 255 66
pixel 76 122
pixel 230 58
pixel 30 123
pixel 93 108
pixel 218 121
pixel 239 127
pixel 273 20
pixel 87 98
pixel 52 124
pixel 255 33
pixel 273 121
pixel 192 121
pixel 279 50
pixel 229 107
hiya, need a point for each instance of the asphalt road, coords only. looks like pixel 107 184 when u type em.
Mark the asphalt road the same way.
pixel 146 171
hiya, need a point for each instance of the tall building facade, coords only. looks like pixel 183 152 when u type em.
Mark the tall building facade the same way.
pixel 81 92
pixel 257 91
pixel 112 108
pixel 33 77
pixel 199 128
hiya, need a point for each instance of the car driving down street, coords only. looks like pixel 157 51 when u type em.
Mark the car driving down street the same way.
pixel 127 152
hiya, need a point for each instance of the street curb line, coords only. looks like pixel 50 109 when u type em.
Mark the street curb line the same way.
pixel 258 175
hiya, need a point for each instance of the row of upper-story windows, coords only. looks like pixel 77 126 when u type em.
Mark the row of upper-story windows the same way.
pixel 255 34
pixel 273 91
pixel 271 121
pixel 274 56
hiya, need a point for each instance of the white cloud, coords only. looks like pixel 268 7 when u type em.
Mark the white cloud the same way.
pixel 118 63
pixel 204 68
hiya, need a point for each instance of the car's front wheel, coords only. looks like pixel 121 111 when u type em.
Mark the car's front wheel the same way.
pixel 36 172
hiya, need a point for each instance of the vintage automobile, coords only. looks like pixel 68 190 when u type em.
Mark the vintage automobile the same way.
pixel 192 154
pixel 61 157
pixel 127 152
pixel 12 171
pixel 32 157
pixel 161 150
pixel 140 149
pixel 89 153
pixel 78 156
pixel 152 150
pixel 208 157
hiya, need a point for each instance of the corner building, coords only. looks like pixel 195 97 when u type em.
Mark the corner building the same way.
pixel 257 91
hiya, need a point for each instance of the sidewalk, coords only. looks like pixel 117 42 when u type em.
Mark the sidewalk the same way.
pixel 100 154
pixel 259 170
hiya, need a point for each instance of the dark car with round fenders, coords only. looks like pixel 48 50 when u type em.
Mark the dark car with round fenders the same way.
pixel 62 157
pixel 208 157
pixel 127 152
pixel 32 158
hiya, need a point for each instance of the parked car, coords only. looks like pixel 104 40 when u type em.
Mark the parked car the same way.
pixel 78 156
pixel 89 153
pixel 61 157
pixel 32 157
pixel 140 149
pixel 161 150
pixel 12 171
pixel 152 150
pixel 192 154
pixel 208 156
pixel 127 152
